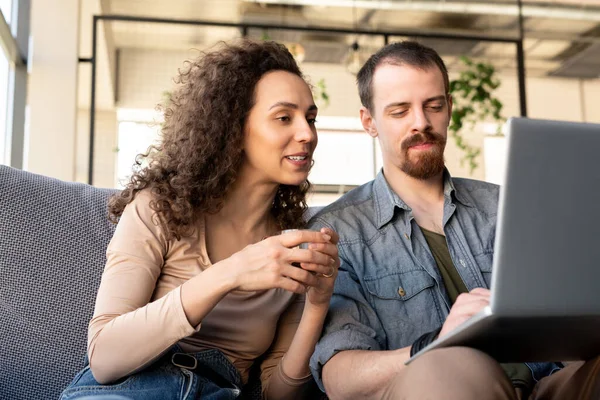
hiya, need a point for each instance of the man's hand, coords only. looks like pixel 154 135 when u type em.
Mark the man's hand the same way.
pixel 465 306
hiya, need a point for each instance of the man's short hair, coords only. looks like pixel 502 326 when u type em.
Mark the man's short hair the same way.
pixel 401 53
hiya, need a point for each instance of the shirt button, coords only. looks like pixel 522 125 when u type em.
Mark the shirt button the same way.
pixel 406 236
pixel 401 292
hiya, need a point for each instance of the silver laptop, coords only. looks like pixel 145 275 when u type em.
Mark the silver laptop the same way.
pixel 545 289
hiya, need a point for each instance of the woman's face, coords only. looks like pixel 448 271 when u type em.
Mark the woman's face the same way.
pixel 280 135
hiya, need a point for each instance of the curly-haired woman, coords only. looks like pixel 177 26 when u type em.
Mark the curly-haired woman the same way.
pixel 199 284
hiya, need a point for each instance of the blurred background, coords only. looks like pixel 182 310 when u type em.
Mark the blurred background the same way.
pixel 80 79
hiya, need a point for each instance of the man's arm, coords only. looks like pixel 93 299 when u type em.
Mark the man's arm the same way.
pixel 359 374
pixel 362 374
pixel 350 361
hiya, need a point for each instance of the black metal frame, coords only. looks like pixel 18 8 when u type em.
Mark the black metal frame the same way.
pixel 521 62
pixel 244 29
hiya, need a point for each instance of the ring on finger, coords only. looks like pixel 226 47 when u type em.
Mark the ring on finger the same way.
pixel 329 275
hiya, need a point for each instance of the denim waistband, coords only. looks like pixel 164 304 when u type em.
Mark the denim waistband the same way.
pixel 207 360
pixel 212 364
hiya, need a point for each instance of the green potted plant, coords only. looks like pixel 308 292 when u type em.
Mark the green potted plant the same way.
pixel 473 102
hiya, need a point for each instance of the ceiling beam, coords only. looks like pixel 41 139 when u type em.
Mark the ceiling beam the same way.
pixel 486 8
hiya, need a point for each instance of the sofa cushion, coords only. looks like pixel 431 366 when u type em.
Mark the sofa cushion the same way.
pixel 53 237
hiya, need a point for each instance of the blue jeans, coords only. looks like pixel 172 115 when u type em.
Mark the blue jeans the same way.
pixel 175 376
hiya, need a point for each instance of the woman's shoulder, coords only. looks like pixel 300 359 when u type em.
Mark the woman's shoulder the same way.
pixel 140 209
pixel 143 198
pixel 148 209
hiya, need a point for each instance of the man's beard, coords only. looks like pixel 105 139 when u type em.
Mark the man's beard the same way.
pixel 430 162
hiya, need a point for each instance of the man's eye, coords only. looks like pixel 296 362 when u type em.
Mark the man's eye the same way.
pixel 398 113
pixel 311 121
pixel 436 108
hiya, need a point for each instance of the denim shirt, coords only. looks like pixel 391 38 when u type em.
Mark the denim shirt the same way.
pixel 389 290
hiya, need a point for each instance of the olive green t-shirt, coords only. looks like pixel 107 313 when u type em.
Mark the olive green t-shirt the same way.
pixel 519 373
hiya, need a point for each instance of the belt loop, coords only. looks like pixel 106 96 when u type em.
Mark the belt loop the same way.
pixel 184 360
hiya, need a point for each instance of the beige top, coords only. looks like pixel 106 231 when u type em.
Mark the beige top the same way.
pixel 139 314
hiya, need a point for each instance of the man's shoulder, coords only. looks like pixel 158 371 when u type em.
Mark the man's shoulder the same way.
pixel 473 185
pixel 480 194
pixel 355 205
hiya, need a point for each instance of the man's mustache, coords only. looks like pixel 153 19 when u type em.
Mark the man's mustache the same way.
pixel 421 138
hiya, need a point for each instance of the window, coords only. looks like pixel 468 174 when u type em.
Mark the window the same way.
pixel 6 8
pixel 4 69
pixel 134 138
pixel 343 158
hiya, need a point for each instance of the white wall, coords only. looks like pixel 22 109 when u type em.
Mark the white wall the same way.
pixel 52 88
pixel 105 51
pixel 105 143
pixel 341 88
pixel 591 97
pixel 58 87
pixel 145 74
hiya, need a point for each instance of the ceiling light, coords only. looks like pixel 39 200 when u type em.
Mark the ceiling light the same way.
pixel 354 59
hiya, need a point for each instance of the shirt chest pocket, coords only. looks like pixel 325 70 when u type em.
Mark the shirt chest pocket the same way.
pixel 405 304
pixel 402 286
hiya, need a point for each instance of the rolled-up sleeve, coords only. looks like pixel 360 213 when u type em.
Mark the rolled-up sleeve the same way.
pixel 351 324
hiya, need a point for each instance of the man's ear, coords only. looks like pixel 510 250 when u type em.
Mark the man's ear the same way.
pixel 368 122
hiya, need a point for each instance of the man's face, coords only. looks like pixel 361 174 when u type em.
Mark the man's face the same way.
pixel 410 115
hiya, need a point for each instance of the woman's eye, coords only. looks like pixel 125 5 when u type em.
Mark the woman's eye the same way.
pixel 311 121
pixel 285 118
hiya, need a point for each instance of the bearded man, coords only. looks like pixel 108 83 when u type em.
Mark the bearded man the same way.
pixel 416 248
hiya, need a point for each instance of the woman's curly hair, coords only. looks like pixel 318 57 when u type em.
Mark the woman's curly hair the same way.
pixel 194 166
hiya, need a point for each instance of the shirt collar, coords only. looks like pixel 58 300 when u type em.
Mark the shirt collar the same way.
pixel 386 200
pixel 450 189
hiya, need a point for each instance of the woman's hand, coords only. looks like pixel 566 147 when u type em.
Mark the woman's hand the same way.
pixel 268 263
pixel 320 294
pixel 316 305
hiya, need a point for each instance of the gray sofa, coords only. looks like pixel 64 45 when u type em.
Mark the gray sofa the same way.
pixel 53 236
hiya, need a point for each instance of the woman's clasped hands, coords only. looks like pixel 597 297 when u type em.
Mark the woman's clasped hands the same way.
pixel 280 262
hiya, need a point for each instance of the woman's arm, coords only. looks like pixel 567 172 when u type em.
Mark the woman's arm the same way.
pixel 292 376
pixel 127 331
